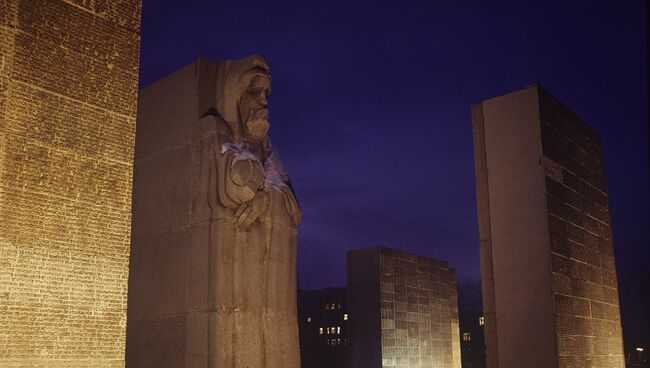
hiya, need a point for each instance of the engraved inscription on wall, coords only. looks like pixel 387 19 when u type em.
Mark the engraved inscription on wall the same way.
pixel 68 93
pixel 586 305
pixel 419 326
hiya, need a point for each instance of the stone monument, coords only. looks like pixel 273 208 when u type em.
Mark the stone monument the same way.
pixel 68 93
pixel 403 310
pixel 550 294
pixel 213 271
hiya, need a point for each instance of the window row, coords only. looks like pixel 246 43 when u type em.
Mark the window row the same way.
pixel 332 306
pixel 330 330
pixel 467 336
pixel 336 342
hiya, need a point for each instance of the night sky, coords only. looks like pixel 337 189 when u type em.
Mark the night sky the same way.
pixel 370 110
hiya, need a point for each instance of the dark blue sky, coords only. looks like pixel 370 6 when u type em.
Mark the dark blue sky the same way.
pixel 370 108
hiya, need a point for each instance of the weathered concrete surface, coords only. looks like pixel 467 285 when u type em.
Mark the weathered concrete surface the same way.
pixel 403 310
pixel 549 284
pixel 212 280
pixel 68 87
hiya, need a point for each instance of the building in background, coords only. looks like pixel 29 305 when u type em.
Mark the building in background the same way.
pixel 323 325
pixel 403 310
pixel 470 311
pixel 68 93
pixel 549 279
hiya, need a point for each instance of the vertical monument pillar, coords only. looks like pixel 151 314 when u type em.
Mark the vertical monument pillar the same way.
pixel 213 260
pixel 403 310
pixel 549 280
pixel 68 91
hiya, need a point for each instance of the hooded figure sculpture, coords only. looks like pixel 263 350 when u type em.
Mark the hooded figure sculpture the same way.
pixel 212 275
pixel 252 318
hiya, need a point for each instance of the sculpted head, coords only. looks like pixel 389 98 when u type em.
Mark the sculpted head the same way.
pixel 243 88
pixel 253 110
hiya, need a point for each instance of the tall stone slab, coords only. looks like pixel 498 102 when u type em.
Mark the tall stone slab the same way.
pixel 68 91
pixel 213 260
pixel 403 310
pixel 549 280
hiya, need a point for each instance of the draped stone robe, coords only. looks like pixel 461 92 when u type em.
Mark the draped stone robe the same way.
pixel 252 280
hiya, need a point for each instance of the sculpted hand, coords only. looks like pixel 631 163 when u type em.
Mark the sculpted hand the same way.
pixel 248 212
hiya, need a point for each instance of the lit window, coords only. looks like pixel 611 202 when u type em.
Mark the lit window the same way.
pixel 338 305
pixel 338 330
pixel 320 331
pixel 481 320
pixel 308 319
pixel 467 336
pixel 345 317
pixel 338 341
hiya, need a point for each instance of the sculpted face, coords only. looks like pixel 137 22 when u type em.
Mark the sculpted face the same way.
pixel 253 109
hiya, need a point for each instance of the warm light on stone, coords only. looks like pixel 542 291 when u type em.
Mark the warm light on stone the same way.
pixel 68 89
pixel 213 261
pixel 550 294
pixel 405 310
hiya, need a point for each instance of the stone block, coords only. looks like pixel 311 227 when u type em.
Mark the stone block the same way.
pixel 422 323
pixel 573 225
pixel 68 87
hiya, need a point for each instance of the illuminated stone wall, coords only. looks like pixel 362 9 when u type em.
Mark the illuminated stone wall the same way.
pixel 587 316
pixel 414 300
pixel 68 90
pixel 547 260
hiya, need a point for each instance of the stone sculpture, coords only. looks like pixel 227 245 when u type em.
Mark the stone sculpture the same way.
pixel 253 189
pixel 213 259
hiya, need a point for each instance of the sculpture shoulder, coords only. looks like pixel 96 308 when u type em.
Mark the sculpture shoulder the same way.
pixel 210 125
